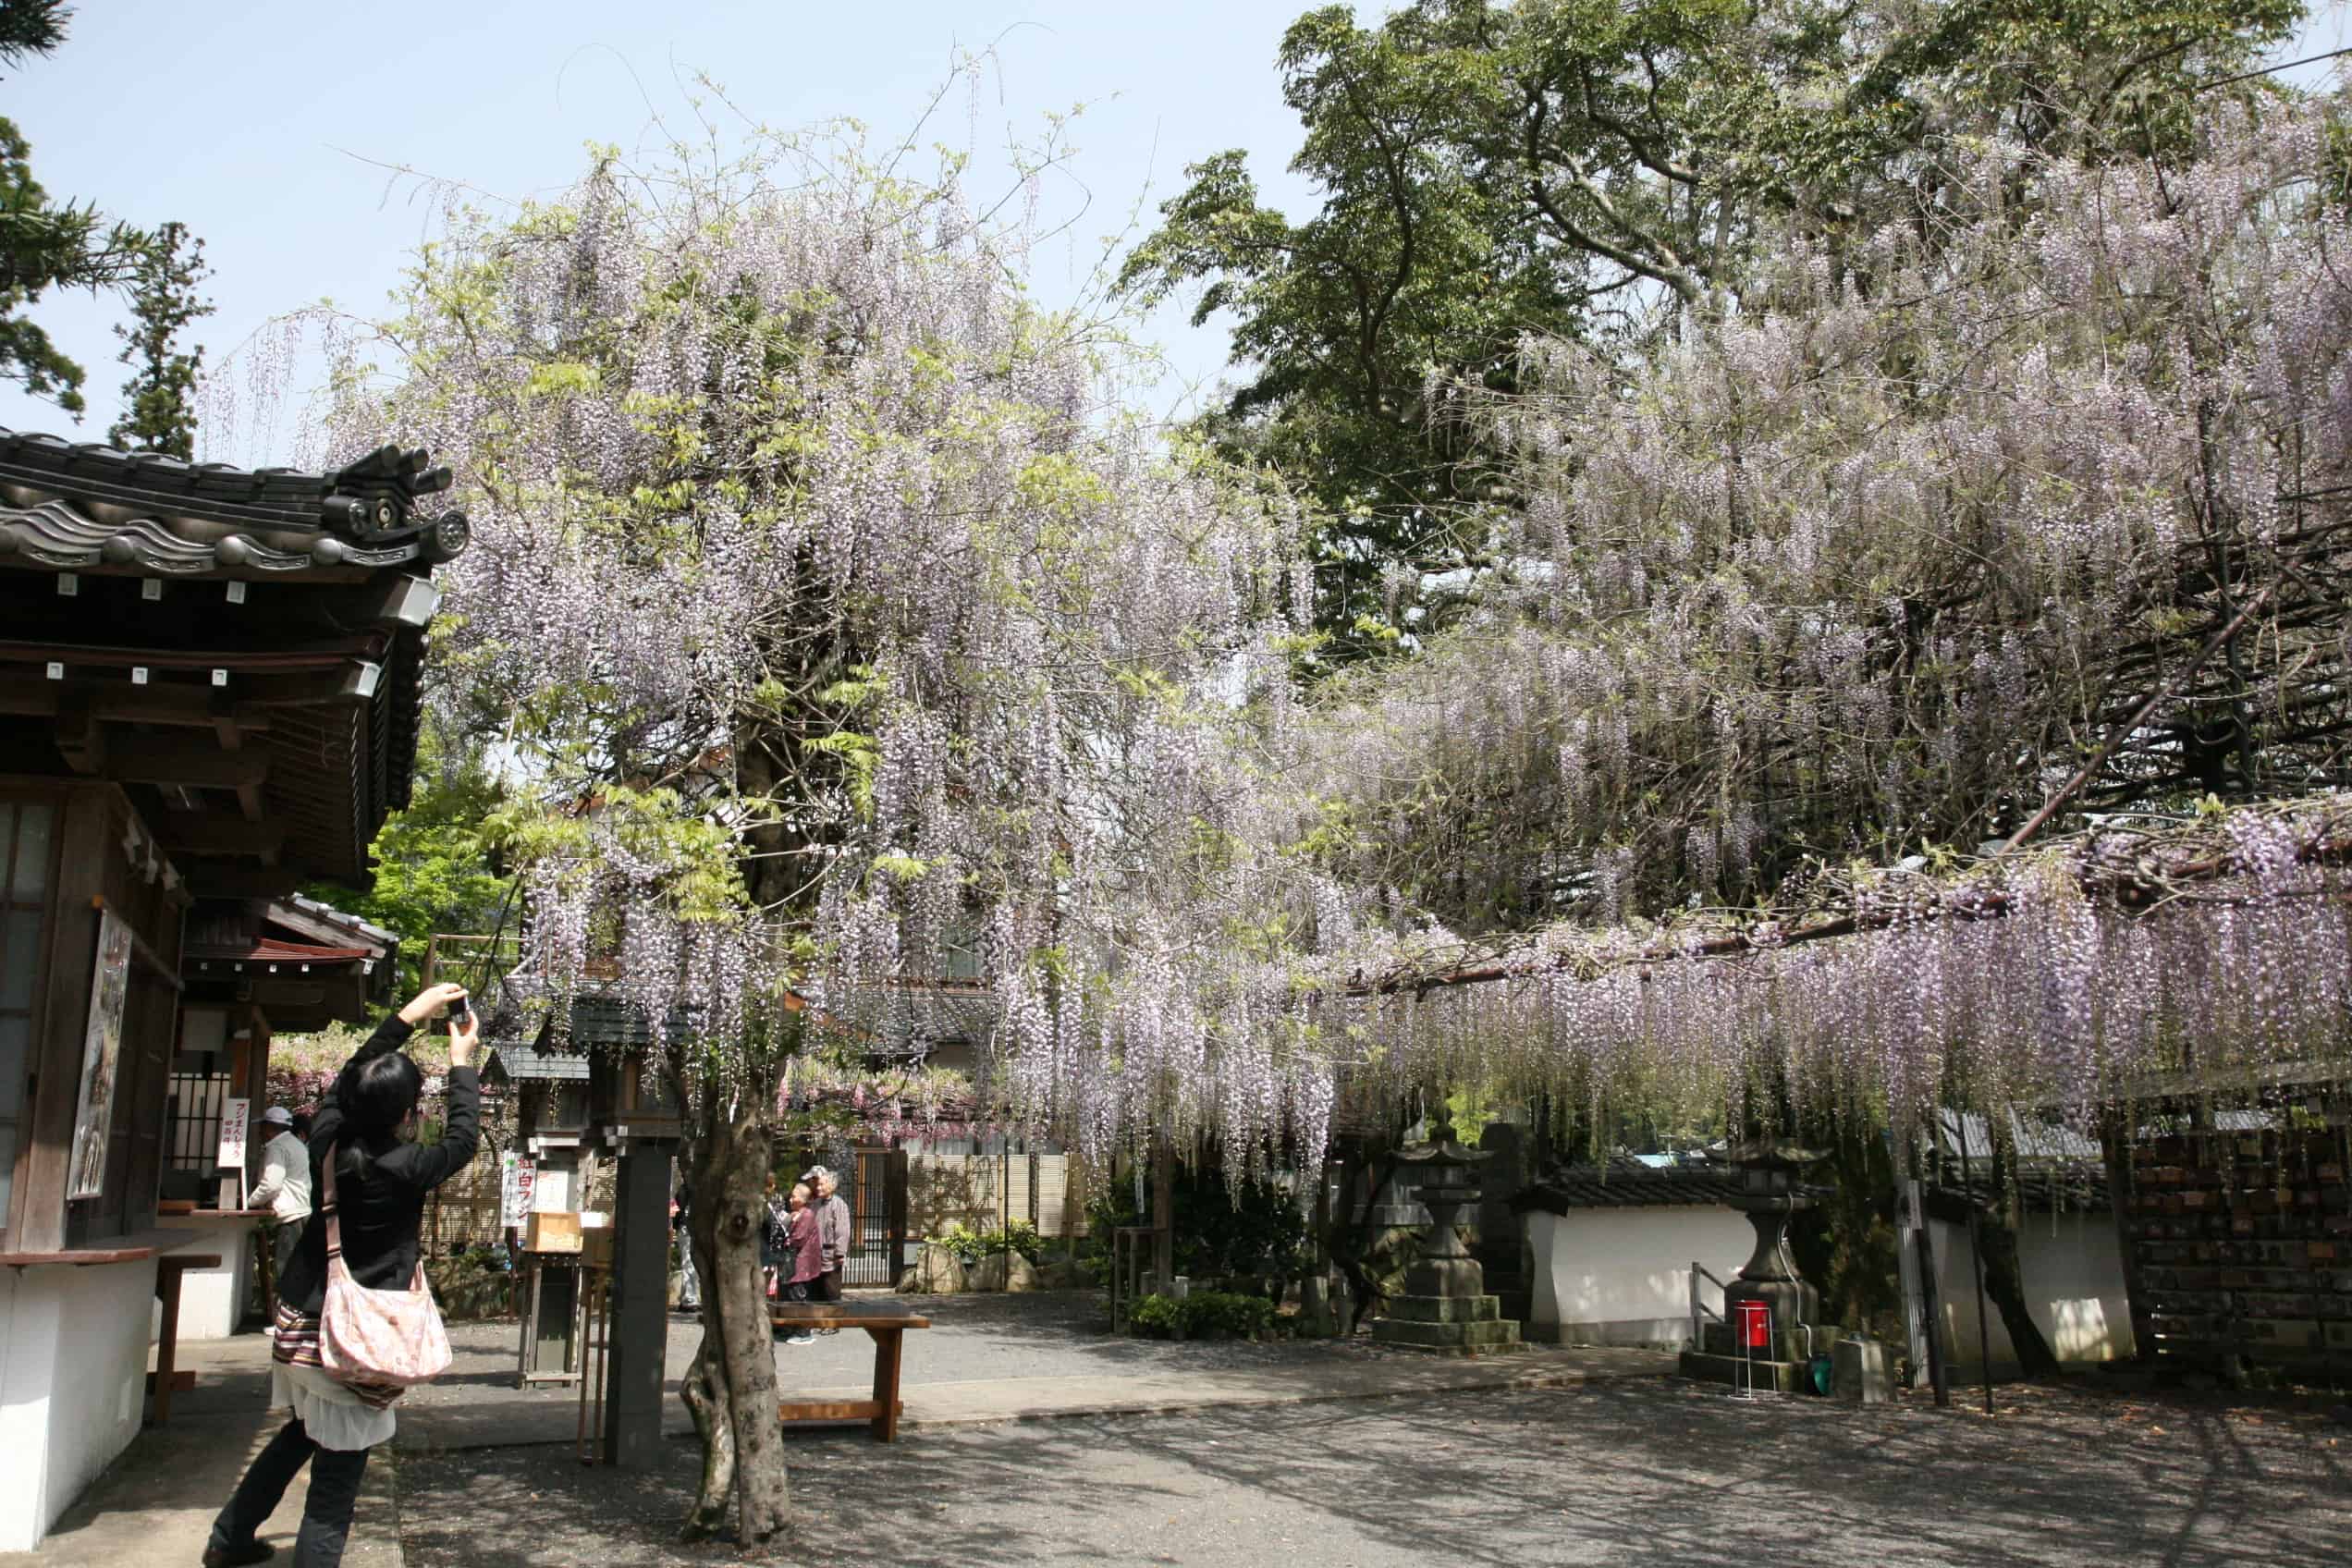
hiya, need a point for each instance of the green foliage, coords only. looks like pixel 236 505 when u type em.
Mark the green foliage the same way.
pixel 1156 1316
pixel 1222 1230
pixel 159 413
pixel 1203 1315
pixel 439 866
pixel 46 244
pixel 1493 171
pixel 970 1247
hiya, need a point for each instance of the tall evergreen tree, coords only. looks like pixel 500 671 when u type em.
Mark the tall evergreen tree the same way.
pixel 45 244
pixel 158 399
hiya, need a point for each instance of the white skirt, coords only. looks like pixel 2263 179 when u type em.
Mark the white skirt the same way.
pixel 333 1415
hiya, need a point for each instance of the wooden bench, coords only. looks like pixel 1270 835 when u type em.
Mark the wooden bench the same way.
pixel 163 1379
pixel 888 1327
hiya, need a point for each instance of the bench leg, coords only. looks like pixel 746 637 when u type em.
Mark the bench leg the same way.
pixel 886 1383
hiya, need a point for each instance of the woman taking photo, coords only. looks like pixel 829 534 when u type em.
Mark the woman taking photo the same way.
pixel 372 1198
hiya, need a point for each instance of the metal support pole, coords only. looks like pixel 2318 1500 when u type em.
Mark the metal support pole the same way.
pixel 1163 1214
pixel 1976 1249
pixel 1930 1291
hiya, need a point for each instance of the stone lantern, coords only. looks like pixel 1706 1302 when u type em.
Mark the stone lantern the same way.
pixel 1444 1305
pixel 1770 1194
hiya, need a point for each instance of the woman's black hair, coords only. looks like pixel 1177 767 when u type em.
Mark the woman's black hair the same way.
pixel 382 1091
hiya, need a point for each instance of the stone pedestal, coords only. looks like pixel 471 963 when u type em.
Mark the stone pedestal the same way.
pixel 1444 1307
pixel 1859 1372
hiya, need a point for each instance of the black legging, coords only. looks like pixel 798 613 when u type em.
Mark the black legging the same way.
pixel 326 1518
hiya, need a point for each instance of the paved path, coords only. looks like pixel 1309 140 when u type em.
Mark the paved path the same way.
pixel 988 1360
pixel 155 1503
pixel 1611 1473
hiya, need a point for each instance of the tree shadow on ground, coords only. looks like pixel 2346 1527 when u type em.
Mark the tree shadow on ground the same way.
pixel 1607 1473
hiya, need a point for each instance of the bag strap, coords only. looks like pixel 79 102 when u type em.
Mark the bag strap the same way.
pixel 333 1225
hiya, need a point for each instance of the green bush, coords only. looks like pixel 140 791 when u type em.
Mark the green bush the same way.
pixel 1222 1230
pixel 970 1247
pixel 1216 1314
pixel 1156 1316
pixel 1203 1315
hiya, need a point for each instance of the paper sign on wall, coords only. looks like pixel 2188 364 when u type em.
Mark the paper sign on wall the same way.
pixel 230 1156
pixel 232 1132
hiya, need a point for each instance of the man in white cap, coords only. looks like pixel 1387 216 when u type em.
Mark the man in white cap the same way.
pixel 285 1186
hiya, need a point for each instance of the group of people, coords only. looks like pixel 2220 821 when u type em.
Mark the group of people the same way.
pixel 803 1246
pixel 807 1243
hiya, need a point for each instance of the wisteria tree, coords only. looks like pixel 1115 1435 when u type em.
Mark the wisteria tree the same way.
pixel 841 616
pixel 2034 502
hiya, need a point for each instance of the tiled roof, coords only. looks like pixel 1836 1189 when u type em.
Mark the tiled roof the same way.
pixel 1628 1183
pixel 80 506
pixel 269 949
pixel 283 609
pixel 2066 1188
pixel 522 1062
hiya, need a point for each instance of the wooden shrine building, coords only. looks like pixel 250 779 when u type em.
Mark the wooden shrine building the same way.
pixel 208 696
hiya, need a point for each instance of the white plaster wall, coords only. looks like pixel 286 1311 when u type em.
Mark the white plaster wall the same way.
pixel 211 1300
pixel 1622 1275
pixel 73 1369
pixel 2072 1268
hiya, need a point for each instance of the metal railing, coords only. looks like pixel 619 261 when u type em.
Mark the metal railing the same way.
pixel 1698 1308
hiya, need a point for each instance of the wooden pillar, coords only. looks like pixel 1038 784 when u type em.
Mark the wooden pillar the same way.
pixel 55 1087
pixel 640 1332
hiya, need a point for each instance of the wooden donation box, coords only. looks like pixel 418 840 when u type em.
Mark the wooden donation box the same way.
pixel 552 1260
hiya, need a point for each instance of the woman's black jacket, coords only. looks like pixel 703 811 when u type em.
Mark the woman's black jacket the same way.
pixel 380 1181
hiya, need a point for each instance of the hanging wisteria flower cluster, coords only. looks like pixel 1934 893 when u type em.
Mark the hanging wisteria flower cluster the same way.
pixel 2113 965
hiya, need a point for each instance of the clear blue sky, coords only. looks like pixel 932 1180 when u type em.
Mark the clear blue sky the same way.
pixel 250 119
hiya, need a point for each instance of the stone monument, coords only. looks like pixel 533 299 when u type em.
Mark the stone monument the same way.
pixel 1444 1307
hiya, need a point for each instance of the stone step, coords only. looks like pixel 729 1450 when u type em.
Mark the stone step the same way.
pixel 1444 1309
pixel 1777 1377
pixel 1492 1334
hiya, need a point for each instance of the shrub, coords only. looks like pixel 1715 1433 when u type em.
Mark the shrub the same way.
pixel 1203 1315
pixel 1216 1314
pixel 970 1247
pixel 1156 1316
pixel 1222 1230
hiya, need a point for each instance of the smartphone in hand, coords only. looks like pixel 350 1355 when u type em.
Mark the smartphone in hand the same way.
pixel 459 1013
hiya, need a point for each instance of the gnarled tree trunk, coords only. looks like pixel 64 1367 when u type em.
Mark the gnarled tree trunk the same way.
pixel 729 1389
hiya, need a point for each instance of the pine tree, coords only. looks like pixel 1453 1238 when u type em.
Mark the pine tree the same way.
pixel 48 244
pixel 158 399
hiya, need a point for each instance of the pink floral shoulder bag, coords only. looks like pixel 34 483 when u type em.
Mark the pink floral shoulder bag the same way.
pixel 376 1337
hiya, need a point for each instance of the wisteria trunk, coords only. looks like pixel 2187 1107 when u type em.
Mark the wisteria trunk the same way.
pixel 2005 1276
pixel 731 1388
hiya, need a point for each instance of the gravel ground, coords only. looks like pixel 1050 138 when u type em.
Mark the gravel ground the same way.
pixel 1613 1473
